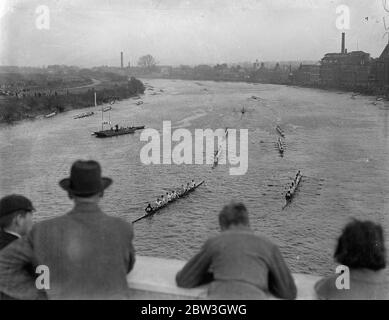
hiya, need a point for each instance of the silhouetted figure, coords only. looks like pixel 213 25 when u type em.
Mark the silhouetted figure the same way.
pixel 361 248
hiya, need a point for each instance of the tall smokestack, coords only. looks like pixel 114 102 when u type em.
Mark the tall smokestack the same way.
pixel 343 42
pixel 121 60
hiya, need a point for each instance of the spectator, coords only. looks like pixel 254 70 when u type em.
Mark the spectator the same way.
pixel 88 253
pixel 15 218
pixel 15 222
pixel 361 248
pixel 240 264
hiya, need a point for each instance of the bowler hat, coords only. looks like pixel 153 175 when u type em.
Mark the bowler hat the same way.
pixel 85 179
pixel 14 202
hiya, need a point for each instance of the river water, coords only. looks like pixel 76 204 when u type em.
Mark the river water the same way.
pixel 339 143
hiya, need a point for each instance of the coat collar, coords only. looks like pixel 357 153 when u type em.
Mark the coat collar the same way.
pixel 17 235
pixel 86 208
pixel 366 275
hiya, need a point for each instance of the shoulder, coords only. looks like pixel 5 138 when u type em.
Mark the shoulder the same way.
pixel 121 225
pixel 49 224
pixel 325 288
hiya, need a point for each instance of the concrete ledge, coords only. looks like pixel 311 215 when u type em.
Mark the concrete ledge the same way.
pixel 154 278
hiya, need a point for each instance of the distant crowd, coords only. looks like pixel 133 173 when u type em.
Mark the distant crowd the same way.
pixel 89 253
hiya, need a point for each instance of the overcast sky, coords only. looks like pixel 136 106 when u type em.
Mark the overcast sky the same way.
pixel 93 32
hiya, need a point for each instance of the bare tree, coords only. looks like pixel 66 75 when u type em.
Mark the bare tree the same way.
pixel 147 62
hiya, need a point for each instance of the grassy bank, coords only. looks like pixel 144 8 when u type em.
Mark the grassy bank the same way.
pixel 14 109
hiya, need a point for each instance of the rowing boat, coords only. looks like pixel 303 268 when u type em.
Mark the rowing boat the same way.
pixel 292 191
pixel 280 146
pixel 50 115
pixel 156 209
pixel 83 115
pixel 279 130
pixel 216 158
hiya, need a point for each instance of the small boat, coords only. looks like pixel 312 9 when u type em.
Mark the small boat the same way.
pixel 156 209
pixel 114 132
pixel 138 103
pixel 83 115
pixel 280 131
pixel 105 109
pixel 291 192
pixel 50 115
pixel 216 158
pixel 280 146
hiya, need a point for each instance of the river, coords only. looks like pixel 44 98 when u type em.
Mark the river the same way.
pixel 339 143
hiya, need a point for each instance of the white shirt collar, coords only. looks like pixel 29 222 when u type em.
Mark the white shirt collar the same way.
pixel 13 233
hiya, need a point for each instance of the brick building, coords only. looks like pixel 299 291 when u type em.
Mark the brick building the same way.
pixel 380 69
pixel 346 70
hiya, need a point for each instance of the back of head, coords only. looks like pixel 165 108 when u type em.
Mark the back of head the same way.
pixel 233 214
pixel 361 246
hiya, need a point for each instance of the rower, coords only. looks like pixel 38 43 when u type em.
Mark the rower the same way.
pixel 187 187
pixel 163 200
pixel 149 208
pixel 192 184
pixel 158 202
pixel 168 197
pixel 288 195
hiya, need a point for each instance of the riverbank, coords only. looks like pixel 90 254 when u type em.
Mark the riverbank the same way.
pixel 13 109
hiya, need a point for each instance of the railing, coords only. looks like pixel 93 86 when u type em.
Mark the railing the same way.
pixel 154 278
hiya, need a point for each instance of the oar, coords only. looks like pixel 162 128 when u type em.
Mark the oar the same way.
pixel 145 216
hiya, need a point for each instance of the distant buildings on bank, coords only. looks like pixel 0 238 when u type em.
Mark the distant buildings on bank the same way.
pixel 354 70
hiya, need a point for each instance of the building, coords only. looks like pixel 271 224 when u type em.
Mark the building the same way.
pixel 380 69
pixel 307 74
pixel 346 70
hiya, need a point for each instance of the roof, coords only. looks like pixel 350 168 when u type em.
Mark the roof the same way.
pixel 385 53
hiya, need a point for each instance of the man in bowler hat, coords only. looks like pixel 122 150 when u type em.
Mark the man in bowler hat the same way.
pixel 88 253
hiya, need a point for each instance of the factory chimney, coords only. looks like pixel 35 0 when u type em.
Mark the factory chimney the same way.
pixel 343 43
pixel 121 59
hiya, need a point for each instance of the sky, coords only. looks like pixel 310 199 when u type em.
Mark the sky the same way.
pixel 93 32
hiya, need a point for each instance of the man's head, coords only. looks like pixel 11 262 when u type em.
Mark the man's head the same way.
pixel 233 214
pixel 16 214
pixel 85 181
